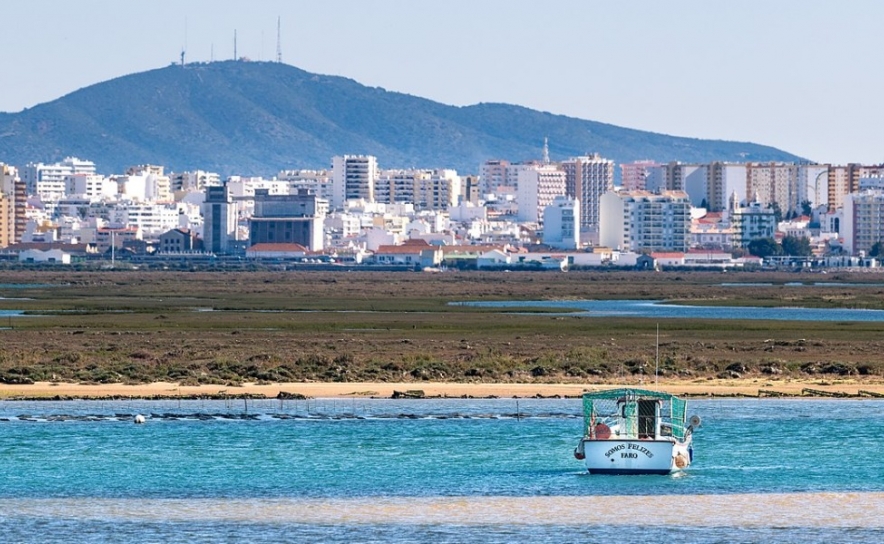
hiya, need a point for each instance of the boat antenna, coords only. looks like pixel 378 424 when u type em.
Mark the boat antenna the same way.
pixel 657 361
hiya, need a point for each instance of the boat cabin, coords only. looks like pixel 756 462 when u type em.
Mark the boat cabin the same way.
pixel 633 414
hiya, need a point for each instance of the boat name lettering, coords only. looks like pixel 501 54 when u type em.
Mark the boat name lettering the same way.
pixel 636 447
pixel 641 449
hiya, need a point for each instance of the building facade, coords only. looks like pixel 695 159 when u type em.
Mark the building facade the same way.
pixel 561 223
pixel 539 185
pixel 353 178
pixel 644 221
pixel 219 220
pixel 862 224
pixel 754 221
pixel 587 178
pixel 287 219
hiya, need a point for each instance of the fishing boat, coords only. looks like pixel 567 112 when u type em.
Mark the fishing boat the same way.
pixel 635 431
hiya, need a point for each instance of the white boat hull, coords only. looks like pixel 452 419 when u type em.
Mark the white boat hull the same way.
pixel 632 456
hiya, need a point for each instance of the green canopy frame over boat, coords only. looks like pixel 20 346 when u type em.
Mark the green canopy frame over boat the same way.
pixel 635 413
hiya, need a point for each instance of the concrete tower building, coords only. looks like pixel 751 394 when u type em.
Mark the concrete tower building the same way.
pixel 539 185
pixel 219 220
pixel 353 178
pixel 586 180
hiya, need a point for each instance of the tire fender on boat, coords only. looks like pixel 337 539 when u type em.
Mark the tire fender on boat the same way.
pixel 579 452
pixel 681 460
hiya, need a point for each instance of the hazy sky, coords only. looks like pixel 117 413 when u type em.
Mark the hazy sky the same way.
pixel 802 75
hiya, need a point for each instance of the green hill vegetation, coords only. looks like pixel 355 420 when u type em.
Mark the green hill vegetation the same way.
pixel 255 118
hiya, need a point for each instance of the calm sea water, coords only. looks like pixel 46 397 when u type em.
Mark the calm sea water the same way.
pixel 365 470
pixel 660 310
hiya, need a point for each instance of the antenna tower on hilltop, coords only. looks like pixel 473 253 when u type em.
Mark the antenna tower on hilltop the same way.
pixel 279 39
pixel 184 47
pixel 234 44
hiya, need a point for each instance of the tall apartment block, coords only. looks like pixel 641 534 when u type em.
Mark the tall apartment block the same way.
pixel 539 185
pixel 587 178
pixel 353 178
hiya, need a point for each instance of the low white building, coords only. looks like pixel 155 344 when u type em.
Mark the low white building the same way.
pixel 51 256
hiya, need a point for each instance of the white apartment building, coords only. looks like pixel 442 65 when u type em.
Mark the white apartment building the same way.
pixel 561 223
pixel 862 224
pixel 196 180
pixel 131 187
pixel 158 186
pixel 152 219
pixel 49 179
pixel 751 222
pixel 587 178
pixel 353 178
pixel 538 186
pixel 244 187
pixel 644 221
pixel 91 187
pixel 317 181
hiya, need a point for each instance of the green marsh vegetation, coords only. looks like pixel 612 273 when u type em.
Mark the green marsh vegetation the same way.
pixel 237 327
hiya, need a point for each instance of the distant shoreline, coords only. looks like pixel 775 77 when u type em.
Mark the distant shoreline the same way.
pixel 164 390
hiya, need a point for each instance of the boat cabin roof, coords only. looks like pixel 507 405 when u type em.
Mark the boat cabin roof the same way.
pixel 620 393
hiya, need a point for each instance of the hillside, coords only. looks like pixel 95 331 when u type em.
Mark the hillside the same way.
pixel 255 118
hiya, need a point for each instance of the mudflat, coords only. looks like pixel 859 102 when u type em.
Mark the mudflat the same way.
pixel 353 331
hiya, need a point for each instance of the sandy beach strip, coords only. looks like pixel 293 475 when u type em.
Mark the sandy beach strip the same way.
pixel 713 388
pixel 865 510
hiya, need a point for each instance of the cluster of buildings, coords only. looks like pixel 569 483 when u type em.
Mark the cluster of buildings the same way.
pixel 533 214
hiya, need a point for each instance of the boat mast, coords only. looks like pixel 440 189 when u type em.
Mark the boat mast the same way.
pixel 657 360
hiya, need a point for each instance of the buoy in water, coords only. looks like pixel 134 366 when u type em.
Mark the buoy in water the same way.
pixel 139 419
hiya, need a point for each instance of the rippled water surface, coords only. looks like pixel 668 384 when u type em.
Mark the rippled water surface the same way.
pixel 414 470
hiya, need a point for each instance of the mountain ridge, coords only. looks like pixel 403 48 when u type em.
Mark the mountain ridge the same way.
pixel 256 118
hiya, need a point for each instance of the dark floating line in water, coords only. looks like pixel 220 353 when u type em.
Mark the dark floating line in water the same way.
pixel 202 416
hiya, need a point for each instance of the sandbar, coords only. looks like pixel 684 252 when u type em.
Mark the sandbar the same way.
pixel 695 388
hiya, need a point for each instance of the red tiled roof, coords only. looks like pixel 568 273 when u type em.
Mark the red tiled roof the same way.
pixel 402 250
pixel 420 242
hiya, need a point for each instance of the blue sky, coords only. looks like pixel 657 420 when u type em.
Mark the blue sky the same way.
pixel 802 75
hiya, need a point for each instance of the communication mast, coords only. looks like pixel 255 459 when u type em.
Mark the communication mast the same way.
pixel 184 47
pixel 279 39
pixel 234 45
